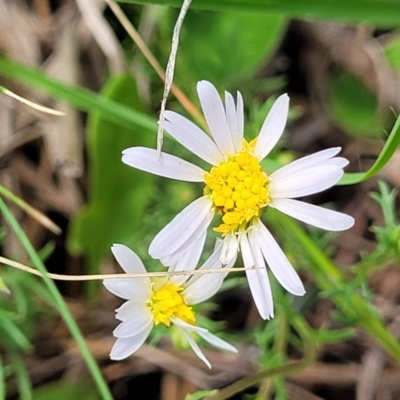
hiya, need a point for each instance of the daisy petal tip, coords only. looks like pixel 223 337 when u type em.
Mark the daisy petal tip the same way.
pixel 335 150
pixel 300 291
pixel 116 247
pixel 283 101
pixel 284 97
pixel 204 85
pixel 115 356
pixel 346 223
pixel 204 82
pixel 342 223
pixel 127 151
pixel 266 315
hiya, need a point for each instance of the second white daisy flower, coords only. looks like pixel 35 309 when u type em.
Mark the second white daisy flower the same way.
pixel 167 301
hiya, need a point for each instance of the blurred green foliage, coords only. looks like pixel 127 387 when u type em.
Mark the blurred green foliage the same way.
pixel 118 194
pixel 66 391
pixel 20 309
pixel 354 107
pixel 226 47
pixel 380 12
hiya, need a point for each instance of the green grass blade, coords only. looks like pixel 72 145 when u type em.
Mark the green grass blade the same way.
pixel 59 302
pixel 21 373
pixel 388 150
pixel 78 97
pixel 12 335
pixel 382 12
pixel 2 381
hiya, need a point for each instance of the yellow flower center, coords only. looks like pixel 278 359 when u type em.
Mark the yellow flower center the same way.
pixel 167 303
pixel 238 188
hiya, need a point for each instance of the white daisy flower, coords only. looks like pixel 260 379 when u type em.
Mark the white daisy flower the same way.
pixel 238 189
pixel 164 301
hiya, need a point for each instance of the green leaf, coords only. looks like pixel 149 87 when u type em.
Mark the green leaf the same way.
pixel 22 375
pixel 66 391
pixel 78 97
pixel 332 336
pixel 200 395
pixel 3 287
pixel 118 194
pixel 386 154
pixel 354 107
pixel 392 52
pixel 2 380
pixel 382 12
pixel 11 334
pixel 213 48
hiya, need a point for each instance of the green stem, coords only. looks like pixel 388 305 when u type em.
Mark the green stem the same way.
pixel 279 348
pixel 61 305
pixel 2 381
pixel 23 381
pixel 242 384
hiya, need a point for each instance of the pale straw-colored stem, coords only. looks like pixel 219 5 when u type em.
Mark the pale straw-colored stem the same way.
pixel 132 32
pixel 169 73
pixel 59 277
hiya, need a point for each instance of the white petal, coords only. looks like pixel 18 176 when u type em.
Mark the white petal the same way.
pixel 189 261
pixel 181 228
pixel 317 216
pixel 195 347
pixel 261 276
pixel 230 248
pixel 201 287
pixel 277 261
pixel 310 181
pixel 192 137
pixel 173 259
pixel 212 263
pixel 134 325
pixel 235 121
pixel 129 288
pixel 184 325
pixel 273 127
pixel 214 114
pixel 129 309
pixel 306 162
pixel 217 342
pixel 125 347
pixel 237 140
pixel 339 162
pixel 164 164
pixel 128 260
pixel 257 278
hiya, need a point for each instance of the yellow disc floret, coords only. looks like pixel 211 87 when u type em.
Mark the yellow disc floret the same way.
pixel 238 188
pixel 167 303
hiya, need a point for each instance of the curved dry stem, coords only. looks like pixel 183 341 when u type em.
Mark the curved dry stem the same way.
pixel 33 212
pixel 59 277
pixel 132 32
pixel 31 104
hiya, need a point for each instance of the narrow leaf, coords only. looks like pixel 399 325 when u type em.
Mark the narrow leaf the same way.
pixel 79 97
pixel 388 150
